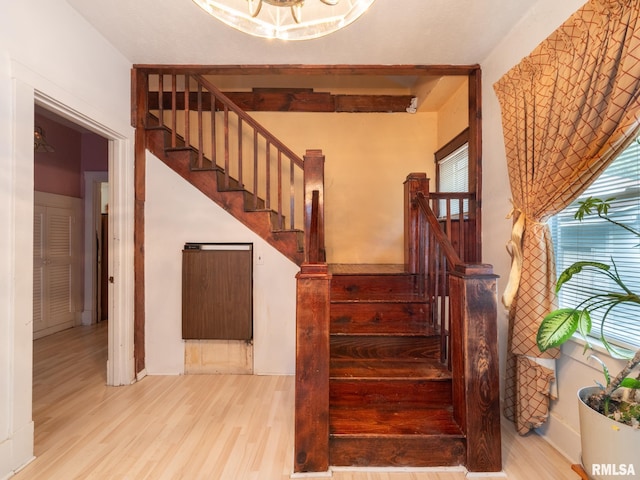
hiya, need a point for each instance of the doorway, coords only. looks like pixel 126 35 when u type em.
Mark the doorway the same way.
pixel 70 162
pixel 120 268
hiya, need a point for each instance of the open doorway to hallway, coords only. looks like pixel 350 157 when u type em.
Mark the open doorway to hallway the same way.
pixel 70 224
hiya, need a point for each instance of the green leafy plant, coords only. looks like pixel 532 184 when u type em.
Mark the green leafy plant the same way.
pixel 560 325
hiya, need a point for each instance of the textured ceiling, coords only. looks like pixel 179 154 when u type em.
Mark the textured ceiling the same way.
pixel 428 32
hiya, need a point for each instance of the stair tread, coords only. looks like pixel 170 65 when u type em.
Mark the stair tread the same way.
pixel 392 421
pixel 370 369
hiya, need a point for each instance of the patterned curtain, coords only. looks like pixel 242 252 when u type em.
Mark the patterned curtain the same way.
pixel 567 110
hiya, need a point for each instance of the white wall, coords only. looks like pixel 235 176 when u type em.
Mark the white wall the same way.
pixel 545 16
pixel 45 47
pixel 187 215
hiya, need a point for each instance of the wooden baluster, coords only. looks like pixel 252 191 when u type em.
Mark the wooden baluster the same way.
pixel 240 151
pixel 447 218
pixel 161 99
pixel 292 194
pixel 255 169
pixel 267 195
pixel 462 249
pixel 226 147
pixel 433 278
pixel 444 309
pixel 187 115
pixel 200 132
pixel 174 111
pixel 214 140
pixel 280 222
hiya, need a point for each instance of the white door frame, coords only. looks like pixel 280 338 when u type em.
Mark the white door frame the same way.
pixel 92 181
pixel 120 364
pixel 28 88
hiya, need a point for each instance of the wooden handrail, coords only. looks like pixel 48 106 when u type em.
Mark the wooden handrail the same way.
pixel 242 152
pixel 248 119
pixel 434 224
pixel 462 299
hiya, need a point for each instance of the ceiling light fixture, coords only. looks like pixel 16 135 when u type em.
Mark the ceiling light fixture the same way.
pixel 40 144
pixel 286 19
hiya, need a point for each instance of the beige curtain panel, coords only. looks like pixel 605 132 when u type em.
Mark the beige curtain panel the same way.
pixel 567 110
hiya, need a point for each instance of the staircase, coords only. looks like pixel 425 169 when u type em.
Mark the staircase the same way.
pixel 396 366
pixel 224 190
pixel 390 397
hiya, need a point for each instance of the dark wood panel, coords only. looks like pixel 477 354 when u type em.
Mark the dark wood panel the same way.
pixel 384 346
pixel 298 69
pixel 402 318
pixel 372 103
pixel 410 393
pixel 286 100
pixel 217 294
pixel 406 451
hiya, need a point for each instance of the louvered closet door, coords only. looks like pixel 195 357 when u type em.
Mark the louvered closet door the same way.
pixel 52 278
pixel 38 268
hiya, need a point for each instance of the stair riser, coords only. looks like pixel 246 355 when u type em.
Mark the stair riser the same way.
pixel 409 393
pixel 375 287
pixel 379 318
pixel 381 347
pixel 430 451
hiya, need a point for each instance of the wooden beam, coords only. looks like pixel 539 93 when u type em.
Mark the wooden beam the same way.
pixel 139 82
pixel 311 69
pixel 290 100
pixel 372 103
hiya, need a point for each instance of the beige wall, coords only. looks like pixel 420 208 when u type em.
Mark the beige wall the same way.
pixel 368 157
pixel 453 116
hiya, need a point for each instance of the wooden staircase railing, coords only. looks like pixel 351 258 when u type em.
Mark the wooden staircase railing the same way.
pixel 463 299
pixel 225 138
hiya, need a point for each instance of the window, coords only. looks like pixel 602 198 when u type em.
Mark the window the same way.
pixel 598 240
pixel 452 170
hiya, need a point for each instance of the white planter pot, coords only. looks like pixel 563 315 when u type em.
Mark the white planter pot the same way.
pixel 610 450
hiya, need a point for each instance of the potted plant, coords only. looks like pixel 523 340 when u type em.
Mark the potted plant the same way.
pixel 614 405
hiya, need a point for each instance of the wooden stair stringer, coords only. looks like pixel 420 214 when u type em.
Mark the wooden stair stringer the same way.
pixel 287 242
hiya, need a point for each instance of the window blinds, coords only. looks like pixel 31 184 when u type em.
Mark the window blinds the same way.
pixel 598 240
pixel 454 176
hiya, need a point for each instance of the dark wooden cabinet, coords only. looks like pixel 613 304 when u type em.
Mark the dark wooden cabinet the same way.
pixel 217 296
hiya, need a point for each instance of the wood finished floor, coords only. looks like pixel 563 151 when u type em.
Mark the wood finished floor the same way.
pixel 195 427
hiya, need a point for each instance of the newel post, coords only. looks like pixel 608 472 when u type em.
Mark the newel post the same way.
pixel 415 182
pixel 311 450
pixel 475 364
pixel 314 206
pixel 312 370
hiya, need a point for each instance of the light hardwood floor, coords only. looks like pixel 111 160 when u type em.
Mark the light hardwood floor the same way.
pixel 196 427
